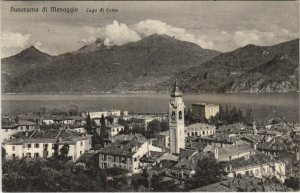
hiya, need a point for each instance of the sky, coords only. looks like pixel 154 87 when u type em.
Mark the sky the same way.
pixel 219 25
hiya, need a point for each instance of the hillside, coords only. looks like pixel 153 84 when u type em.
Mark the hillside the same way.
pixel 247 69
pixel 134 66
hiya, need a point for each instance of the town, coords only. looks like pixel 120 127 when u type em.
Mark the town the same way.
pixel 204 148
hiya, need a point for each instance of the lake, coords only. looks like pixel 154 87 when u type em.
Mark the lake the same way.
pixel 263 104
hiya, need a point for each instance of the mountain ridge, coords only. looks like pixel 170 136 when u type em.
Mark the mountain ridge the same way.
pixel 152 64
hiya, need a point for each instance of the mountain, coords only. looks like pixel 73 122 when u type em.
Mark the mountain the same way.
pixel 139 65
pixel 247 69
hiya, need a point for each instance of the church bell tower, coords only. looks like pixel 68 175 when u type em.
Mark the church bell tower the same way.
pixel 176 120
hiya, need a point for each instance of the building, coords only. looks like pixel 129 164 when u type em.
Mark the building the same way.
pixel 176 120
pixel 258 165
pixel 42 143
pixel 231 152
pixel 164 139
pixel 114 129
pixel 104 112
pixel 203 110
pixel 199 129
pixel 125 154
pixel 10 128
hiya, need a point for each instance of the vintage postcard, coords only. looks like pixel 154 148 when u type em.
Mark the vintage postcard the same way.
pixel 150 96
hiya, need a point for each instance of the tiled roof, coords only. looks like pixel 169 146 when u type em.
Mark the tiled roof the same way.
pixel 200 126
pixel 123 137
pixel 234 150
pixel 216 187
pixel 187 153
pixel 185 164
pixel 257 159
pixel 246 183
pixel 51 136
pixel 10 125
pixel 221 137
pixel 124 148
pixel 195 145
pixel 152 157
pixel 253 138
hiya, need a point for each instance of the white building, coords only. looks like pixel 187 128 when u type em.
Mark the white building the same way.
pixel 245 160
pixel 8 130
pixel 125 154
pixel 199 129
pixel 40 143
pixel 99 114
pixel 114 129
pixel 203 110
pixel 176 120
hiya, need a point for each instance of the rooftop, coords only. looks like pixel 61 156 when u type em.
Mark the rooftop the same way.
pixel 254 160
pixel 44 136
pixel 124 148
pixel 234 150
pixel 152 157
pixel 201 126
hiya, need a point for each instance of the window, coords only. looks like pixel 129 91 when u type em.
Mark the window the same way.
pixel 13 148
pixel 27 127
pixel 173 115
pixel 80 152
pixel 14 156
pixel 28 155
pixel 28 146
pixel 36 145
pixel 22 154
pixel 203 132
pixel 256 172
pixel 117 129
pixel 36 155
pixel 81 144
pixel 180 115
pixel 135 159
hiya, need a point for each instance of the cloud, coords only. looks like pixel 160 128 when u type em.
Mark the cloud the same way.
pixel 149 27
pixel 14 40
pixel 242 38
pixel 118 33
pixel 273 36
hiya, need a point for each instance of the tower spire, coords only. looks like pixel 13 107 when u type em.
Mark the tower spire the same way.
pixel 176 92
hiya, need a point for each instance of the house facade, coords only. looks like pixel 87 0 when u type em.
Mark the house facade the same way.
pixel 43 144
pixel 125 154
pixel 199 129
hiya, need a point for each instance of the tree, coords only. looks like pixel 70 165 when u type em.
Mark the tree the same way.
pixel 3 152
pixel 249 115
pixel 65 150
pixel 208 171
pixel 89 127
pixel 103 133
pixel 293 182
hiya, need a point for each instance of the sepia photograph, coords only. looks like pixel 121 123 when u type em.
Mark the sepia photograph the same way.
pixel 150 96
